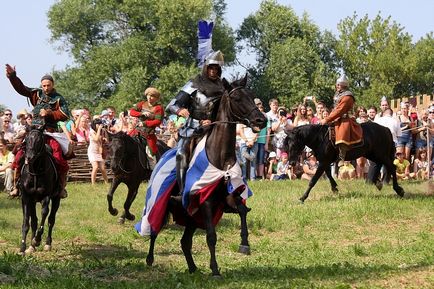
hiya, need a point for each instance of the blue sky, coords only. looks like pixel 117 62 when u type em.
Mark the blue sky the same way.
pixel 25 36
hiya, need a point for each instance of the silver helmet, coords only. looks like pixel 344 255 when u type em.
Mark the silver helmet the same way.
pixel 342 80
pixel 215 57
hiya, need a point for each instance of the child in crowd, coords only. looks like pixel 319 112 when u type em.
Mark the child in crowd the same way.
pixel 284 170
pixel 309 167
pixel 272 165
pixel 421 164
pixel 402 167
pixel 347 171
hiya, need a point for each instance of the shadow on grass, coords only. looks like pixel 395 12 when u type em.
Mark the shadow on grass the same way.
pixel 341 272
pixel 92 251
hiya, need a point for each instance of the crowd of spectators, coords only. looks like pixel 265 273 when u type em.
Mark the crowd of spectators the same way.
pixel 261 155
pixel 412 131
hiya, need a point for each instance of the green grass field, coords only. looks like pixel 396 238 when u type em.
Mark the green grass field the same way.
pixel 359 238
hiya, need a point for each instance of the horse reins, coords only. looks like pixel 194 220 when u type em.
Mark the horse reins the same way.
pixel 232 111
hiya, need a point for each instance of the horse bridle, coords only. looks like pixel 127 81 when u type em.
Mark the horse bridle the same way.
pixel 38 154
pixel 241 118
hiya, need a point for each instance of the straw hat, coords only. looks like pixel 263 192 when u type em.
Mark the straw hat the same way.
pixel 22 112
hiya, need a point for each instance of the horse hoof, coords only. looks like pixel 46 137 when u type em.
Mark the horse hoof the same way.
pixel 379 185
pixel 243 249
pixel 121 221
pixel 217 276
pixel 335 190
pixel 149 261
pixel 35 243
pixel 30 250
pixel 401 192
pixel 131 217
pixel 47 248
pixel 114 212
pixel 301 201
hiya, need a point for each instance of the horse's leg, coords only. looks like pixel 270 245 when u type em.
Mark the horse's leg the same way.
pixel 319 171
pixel 333 183
pixel 244 246
pixel 25 204
pixel 132 193
pixel 186 244
pixel 36 241
pixel 33 223
pixel 55 203
pixel 391 169
pixel 150 256
pixel 374 175
pixel 211 236
pixel 113 187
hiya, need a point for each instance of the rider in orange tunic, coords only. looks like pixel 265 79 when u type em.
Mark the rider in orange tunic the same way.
pixel 151 113
pixel 348 132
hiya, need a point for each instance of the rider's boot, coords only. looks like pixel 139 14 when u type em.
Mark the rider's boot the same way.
pixel 62 180
pixel 15 192
pixel 343 149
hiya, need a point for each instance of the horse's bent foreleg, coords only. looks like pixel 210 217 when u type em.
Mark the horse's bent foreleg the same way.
pixel 211 236
pixel 312 182
pixel 244 246
pixel 132 193
pixel 113 187
pixel 150 256
pixel 333 183
pixel 36 241
pixel 55 203
pixel 186 244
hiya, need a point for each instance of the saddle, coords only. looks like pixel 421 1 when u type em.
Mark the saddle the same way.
pixel 143 151
pixel 332 138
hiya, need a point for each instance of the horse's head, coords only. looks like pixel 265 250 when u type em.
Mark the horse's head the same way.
pixel 241 106
pixel 35 142
pixel 295 144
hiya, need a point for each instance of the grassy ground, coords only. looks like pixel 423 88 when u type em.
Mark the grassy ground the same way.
pixel 359 238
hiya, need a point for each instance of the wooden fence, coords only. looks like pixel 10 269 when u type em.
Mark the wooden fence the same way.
pixel 80 167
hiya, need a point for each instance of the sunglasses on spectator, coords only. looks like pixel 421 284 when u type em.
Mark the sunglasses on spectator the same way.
pixel 8 113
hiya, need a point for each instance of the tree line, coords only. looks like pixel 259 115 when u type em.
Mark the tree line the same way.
pixel 121 47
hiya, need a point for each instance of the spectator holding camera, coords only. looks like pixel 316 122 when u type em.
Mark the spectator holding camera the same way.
pixel 95 150
pixel 279 128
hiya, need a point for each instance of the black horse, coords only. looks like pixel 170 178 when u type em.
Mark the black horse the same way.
pixel 236 106
pixel 130 165
pixel 377 146
pixel 38 183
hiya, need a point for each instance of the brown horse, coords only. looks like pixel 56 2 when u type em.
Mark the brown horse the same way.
pixel 236 106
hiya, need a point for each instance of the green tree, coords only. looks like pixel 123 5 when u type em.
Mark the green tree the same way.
pixel 373 54
pixel 294 57
pixel 121 47
pixel 421 66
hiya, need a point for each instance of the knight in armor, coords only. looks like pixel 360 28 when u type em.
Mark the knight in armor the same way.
pixel 348 132
pixel 49 107
pixel 150 113
pixel 196 102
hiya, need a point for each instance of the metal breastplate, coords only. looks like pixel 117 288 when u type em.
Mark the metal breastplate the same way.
pixel 202 106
